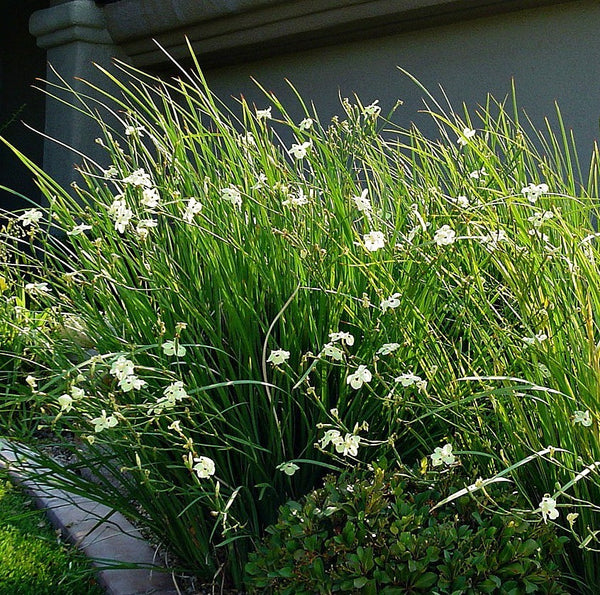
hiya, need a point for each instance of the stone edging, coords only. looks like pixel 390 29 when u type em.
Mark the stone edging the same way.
pixel 104 535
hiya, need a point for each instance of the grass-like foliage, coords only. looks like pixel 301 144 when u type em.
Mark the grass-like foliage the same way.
pixel 25 331
pixel 34 560
pixel 245 299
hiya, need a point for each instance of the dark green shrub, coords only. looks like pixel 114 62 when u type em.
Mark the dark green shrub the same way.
pixel 375 532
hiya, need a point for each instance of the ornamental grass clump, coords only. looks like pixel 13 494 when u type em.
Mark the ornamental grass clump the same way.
pixel 250 298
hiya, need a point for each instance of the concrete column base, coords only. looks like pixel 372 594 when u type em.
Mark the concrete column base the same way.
pixel 75 37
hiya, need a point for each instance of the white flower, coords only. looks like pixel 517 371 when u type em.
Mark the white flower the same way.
pixel 111 172
pixel 360 377
pixel 332 436
pixel 122 367
pixel 539 338
pixel 444 236
pixel 193 207
pixel 150 198
pixel 122 220
pixel 538 219
pixel 37 288
pixel 175 391
pixel 172 393
pixel 582 417
pixel 247 140
pixel 31 381
pixel 299 151
pixel 66 402
pixel 176 425
pixel 492 239
pixel 548 508
pixel 478 173
pixel 134 130
pixel 388 348
pixel 374 240
pixel 442 456
pixel 261 181
pixel 120 213
pixel 204 467
pixel 132 382
pixel 348 445
pixel 139 178
pixel 306 124
pixel 144 226
pixel 278 356
pixel 372 110
pixel 30 217
pixel 362 202
pixel 232 194
pixel 536 233
pixel 461 201
pixel 330 350
pixel 296 199
pixel 345 338
pixel 467 133
pixel 408 379
pixel 103 422
pixel 288 468
pixel 532 191
pixel 77 393
pixel 264 114
pixel 173 348
pixel 390 303
pixel 162 403
pixel 118 204
pixel 78 230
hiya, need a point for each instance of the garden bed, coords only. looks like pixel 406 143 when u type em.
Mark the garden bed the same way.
pixel 271 298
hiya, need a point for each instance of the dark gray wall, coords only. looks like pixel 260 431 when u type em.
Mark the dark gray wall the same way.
pixel 552 52
pixel 20 63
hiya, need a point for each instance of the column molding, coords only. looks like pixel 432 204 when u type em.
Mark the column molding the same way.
pixel 75 38
pixel 78 20
pixel 224 32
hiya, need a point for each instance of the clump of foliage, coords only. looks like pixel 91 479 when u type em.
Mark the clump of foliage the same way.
pixel 375 532
pixel 27 329
pixel 257 294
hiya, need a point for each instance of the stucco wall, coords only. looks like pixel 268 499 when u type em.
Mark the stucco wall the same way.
pixel 552 52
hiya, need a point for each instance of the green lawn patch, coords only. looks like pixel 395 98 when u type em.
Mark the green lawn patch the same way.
pixel 33 559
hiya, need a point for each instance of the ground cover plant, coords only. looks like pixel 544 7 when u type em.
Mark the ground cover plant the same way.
pixel 34 561
pixel 374 532
pixel 246 300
